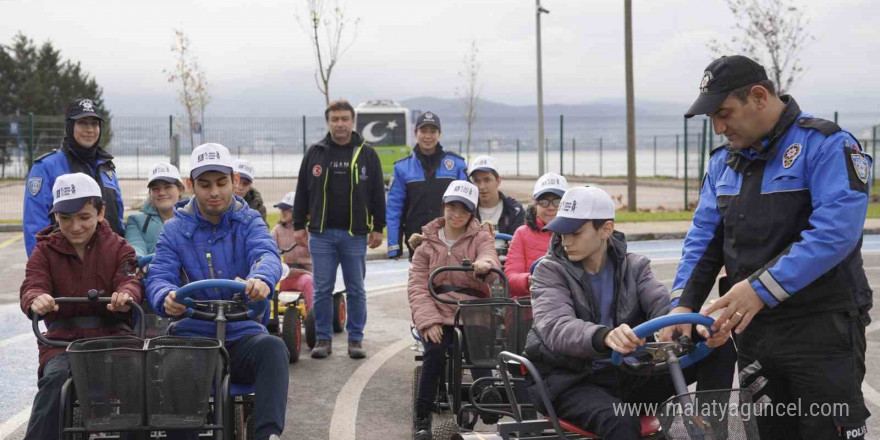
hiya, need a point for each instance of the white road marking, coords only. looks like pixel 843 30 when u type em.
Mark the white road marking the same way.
pixel 17 421
pixel 344 421
pixel 16 339
pixel 386 289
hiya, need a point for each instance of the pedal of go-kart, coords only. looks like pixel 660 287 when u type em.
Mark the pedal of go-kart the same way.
pixel 649 425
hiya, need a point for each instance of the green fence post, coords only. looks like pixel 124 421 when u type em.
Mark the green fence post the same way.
pixel 835 116
pixel 655 156
pixel 561 141
pixel 685 164
pixel 600 157
pixel 572 156
pixel 676 156
pixel 30 141
pixel 517 154
pixel 304 134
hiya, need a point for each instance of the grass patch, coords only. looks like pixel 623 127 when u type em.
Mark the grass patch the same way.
pixel 874 210
pixel 661 216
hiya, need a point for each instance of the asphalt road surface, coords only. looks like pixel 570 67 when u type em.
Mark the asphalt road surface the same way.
pixel 339 398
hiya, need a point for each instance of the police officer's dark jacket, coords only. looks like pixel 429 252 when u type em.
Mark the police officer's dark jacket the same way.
pixel 366 201
pixel 512 215
pixel 64 160
pixel 416 195
pixel 788 218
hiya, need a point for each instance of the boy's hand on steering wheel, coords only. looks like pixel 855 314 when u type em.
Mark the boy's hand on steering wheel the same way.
pixel 119 302
pixel 623 340
pixel 256 289
pixel 172 307
pixel 44 304
pixel 684 329
pixel 481 267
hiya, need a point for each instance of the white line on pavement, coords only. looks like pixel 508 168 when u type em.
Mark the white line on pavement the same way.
pixel 344 421
pixel 10 426
pixel 384 290
pixel 16 339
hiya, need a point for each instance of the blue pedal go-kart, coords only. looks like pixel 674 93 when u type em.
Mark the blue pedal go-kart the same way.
pixel 681 417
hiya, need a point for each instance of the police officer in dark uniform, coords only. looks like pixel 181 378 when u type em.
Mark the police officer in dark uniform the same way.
pixel 420 179
pixel 79 153
pixel 782 208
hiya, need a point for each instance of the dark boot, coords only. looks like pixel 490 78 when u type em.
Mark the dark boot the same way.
pixel 422 427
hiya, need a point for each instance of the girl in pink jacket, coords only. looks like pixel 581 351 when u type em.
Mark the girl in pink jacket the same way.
pixel 298 258
pixel 445 242
pixel 530 241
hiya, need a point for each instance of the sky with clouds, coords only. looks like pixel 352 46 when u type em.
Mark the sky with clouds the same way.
pixel 259 60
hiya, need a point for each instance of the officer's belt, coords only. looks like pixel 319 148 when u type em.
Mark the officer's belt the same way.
pixel 88 322
pixel 450 288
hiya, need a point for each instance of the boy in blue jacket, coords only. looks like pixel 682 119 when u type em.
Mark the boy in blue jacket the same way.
pixel 216 235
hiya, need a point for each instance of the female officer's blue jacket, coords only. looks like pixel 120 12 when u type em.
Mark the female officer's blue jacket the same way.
pixel 416 195
pixel 191 248
pixel 46 168
pixel 788 219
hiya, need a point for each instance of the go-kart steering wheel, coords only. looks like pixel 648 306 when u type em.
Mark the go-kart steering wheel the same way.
pixel 503 237
pixel 658 356
pixel 184 297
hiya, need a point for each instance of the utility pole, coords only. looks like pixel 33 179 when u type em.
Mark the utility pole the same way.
pixel 538 11
pixel 630 111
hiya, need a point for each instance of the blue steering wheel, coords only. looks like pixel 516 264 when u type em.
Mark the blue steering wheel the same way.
pixel 145 260
pixel 505 237
pixel 184 295
pixel 648 328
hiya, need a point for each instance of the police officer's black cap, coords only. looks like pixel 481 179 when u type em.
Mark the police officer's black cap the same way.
pixel 721 77
pixel 428 118
pixel 83 108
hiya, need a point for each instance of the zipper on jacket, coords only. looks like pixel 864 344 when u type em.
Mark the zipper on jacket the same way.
pixel 324 205
pixel 355 179
pixel 210 264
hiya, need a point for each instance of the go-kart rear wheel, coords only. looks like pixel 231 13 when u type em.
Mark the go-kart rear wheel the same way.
pixel 291 332
pixel 339 312
pixel 445 430
pixel 311 332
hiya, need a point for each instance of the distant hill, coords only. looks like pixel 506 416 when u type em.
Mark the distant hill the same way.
pixel 609 107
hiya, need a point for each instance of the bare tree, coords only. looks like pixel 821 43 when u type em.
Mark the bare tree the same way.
pixel 193 92
pixel 470 93
pixel 327 18
pixel 771 32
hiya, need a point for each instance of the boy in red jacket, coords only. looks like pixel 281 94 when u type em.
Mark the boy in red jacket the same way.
pixel 77 254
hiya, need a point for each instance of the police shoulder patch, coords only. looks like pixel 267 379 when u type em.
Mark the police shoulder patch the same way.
pixel 791 154
pixel 448 164
pixel 34 184
pixel 824 126
pixel 858 169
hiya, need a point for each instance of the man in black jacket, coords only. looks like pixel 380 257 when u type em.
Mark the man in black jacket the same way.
pixel 505 213
pixel 340 197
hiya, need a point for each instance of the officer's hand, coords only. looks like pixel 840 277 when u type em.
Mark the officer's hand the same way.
pixel 481 267
pixel 623 340
pixel 119 302
pixel 256 289
pixel 433 334
pixel 375 239
pixel 739 306
pixel 43 304
pixel 713 341
pixel 684 329
pixel 301 237
pixel 172 307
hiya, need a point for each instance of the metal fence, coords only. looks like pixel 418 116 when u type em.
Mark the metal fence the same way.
pixel 667 146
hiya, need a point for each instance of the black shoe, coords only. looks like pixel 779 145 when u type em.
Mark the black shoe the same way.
pixel 422 428
pixel 322 349
pixel 488 396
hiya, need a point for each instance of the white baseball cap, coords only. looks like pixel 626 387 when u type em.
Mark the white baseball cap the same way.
pixel 483 163
pixel 580 205
pixel 287 201
pixel 210 157
pixel 462 191
pixel 70 192
pixel 244 169
pixel 552 183
pixel 165 172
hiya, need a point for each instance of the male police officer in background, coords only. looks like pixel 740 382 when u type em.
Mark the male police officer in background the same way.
pixel 782 208
pixel 79 153
pixel 420 179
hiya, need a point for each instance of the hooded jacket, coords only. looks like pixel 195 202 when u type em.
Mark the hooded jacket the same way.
pixel 529 243
pixel 54 267
pixel 512 215
pixel 143 228
pixel 191 248
pixel 565 336
pixel 255 201
pixel 366 202
pixel 476 244
pixel 64 160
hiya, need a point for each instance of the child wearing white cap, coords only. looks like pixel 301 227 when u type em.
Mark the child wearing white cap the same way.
pixel 587 295
pixel 79 253
pixel 446 241
pixel 298 258
pixel 245 189
pixel 166 189
pixel 505 213
pixel 530 242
